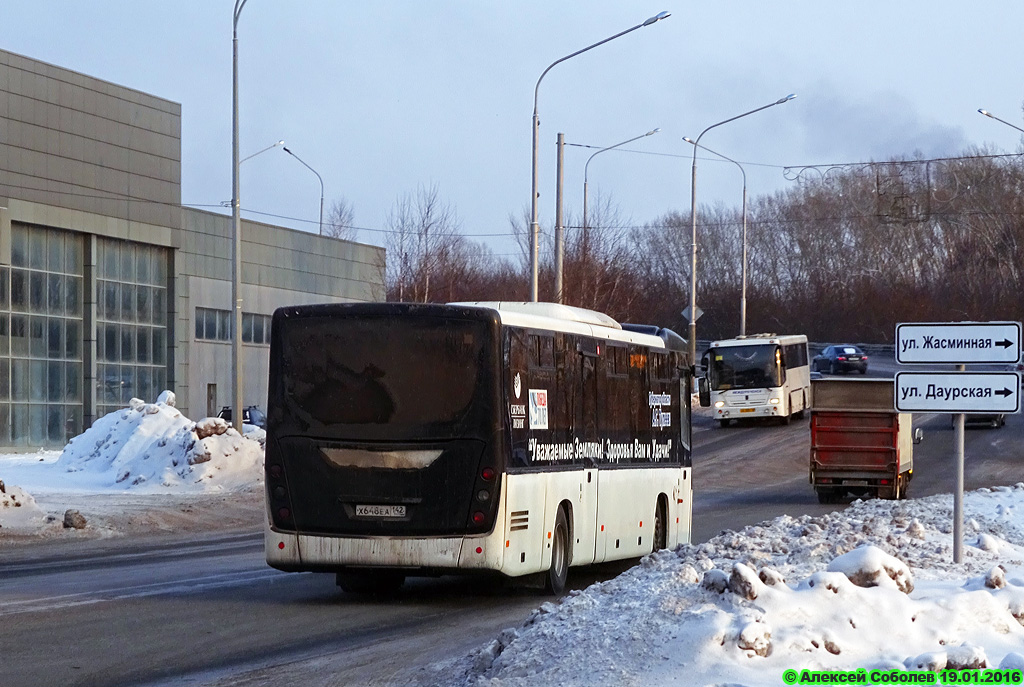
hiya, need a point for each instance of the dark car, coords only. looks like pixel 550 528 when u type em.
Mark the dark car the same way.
pixel 840 359
pixel 253 415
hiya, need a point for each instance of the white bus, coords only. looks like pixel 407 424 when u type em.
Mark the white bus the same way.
pixel 759 376
pixel 518 438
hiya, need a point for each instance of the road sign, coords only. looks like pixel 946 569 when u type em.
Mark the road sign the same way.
pixel 958 392
pixel 958 342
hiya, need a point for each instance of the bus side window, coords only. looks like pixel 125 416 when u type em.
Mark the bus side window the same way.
pixel 542 351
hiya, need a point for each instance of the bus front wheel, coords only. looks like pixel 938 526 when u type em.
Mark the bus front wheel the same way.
pixel 554 581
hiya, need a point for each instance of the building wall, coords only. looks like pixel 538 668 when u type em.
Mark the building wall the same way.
pixel 72 141
pixel 280 267
pixel 102 270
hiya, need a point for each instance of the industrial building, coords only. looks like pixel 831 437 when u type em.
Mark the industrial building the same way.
pixel 109 288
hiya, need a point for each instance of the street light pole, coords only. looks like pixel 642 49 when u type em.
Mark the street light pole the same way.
pixel 534 227
pixel 693 222
pixel 586 168
pixel 236 250
pixel 321 187
pixel 743 269
pixel 992 116
pixel 258 152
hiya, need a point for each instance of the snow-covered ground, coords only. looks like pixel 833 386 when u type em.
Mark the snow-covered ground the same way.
pixel 143 467
pixel 873 587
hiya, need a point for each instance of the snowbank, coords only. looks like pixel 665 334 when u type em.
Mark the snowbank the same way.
pixel 152 445
pixel 872 587
pixel 147 448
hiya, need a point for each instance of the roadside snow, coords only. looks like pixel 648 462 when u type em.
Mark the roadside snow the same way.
pixel 872 587
pixel 146 449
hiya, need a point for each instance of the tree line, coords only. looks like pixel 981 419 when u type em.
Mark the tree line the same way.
pixel 844 254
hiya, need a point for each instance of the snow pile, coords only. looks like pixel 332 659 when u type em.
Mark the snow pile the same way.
pixel 873 587
pixel 153 445
pixel 18 509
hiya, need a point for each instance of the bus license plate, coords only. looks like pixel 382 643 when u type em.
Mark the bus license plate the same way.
pixel 746 410
pixel 380 511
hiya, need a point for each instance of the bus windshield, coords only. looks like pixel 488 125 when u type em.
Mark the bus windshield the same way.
pixel 745 367
pixel 409 377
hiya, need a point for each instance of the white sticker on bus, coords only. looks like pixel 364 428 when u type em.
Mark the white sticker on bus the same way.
pixel 518 413
pixel 538 409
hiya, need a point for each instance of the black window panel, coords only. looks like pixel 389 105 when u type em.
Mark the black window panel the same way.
pixel 73 296
pixel 19 247
pixel 247 327
pixel 37 337
pixel 257 329
pixel 37 249
pixel 19 290
pixel 37 291
pixel 128 313
pixel 55 294
pixel 19 335
pixel 112 300
pixel 55 381
pixel 55 338
pixel 73 339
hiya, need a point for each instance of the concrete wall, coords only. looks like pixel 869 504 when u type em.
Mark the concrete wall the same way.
pixel 72 141
pixel 279 267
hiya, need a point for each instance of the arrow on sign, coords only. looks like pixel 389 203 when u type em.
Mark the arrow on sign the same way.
pixel 1005 343
pixel 1004 393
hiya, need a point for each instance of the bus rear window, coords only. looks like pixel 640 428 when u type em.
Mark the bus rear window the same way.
pixel 404 373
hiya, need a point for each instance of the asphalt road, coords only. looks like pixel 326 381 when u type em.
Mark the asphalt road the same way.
pixel 210 612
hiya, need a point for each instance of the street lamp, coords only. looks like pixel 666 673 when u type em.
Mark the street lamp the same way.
pixel 693 221
pixel 743 270
pixel 586 167
pixel 321 187
pixel 534 227
pixel 992 116
pixel 236 224
pixel 269 147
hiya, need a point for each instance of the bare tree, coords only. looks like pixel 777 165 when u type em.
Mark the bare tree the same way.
pixel 340 221
pixel 423 242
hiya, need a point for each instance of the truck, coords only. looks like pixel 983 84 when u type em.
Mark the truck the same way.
pixel 859 443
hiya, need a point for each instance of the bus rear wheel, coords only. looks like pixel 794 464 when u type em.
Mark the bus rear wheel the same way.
pixel 554 581
pixel 660 533
pixel 370 581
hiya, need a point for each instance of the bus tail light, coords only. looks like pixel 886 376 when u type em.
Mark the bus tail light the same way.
pixel 278 497
pixel 479 518
pixel 487 474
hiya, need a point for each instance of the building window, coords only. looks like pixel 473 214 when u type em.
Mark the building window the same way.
pixel 131 313
pixel 215 325
pixel 41 338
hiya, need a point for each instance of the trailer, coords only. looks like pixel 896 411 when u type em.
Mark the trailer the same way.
pixel 859 443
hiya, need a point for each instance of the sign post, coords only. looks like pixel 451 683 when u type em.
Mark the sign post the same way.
pixel 959 392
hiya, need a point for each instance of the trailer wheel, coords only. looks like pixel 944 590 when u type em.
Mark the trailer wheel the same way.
pixel 827 496
pixel 904 485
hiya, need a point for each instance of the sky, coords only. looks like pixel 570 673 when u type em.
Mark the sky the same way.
pixel 383 99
